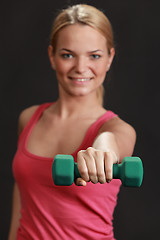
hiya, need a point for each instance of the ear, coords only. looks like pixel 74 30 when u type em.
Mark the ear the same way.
pixel 51 57
pixel 111 56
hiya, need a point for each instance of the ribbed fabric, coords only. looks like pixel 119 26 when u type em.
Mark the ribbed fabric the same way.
pixel 57 212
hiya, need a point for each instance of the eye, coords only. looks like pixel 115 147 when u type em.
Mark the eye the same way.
pixel 67 55
pixel 95 56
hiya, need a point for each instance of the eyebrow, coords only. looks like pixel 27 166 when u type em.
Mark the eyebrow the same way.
pixel 98 50
pixel 67 50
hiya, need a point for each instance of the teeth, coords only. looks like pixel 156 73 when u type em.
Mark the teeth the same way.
pixel 82 79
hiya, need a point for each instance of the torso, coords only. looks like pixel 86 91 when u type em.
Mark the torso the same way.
pixel 52 135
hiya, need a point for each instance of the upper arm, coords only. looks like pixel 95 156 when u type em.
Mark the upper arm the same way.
pixel 16 206
pixel 118 135
pixel 24 117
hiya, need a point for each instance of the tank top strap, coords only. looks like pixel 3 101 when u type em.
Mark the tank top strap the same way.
pixel 33 120
pixel 37 114
pixel 98 124
pixel 95 127
pixel 93 130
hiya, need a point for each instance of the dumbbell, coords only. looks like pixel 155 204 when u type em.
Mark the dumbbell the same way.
pixel 65 171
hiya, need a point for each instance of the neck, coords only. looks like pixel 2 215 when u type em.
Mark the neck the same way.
pixel 72 106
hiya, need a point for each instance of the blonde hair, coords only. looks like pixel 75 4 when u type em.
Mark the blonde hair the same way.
pixel 88 15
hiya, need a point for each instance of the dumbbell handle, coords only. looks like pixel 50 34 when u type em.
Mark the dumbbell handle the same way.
pixel 132 177
pixel 116 171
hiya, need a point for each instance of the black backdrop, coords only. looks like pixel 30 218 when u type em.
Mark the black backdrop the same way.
pixel 133 92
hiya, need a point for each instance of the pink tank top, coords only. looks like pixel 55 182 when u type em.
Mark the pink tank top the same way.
pixel 57 212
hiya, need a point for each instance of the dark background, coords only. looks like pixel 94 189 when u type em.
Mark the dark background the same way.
pixel 132 92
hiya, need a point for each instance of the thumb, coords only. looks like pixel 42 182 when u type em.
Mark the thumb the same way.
pixel 80 182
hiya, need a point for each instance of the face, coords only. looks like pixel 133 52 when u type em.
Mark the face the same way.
pixel 81 60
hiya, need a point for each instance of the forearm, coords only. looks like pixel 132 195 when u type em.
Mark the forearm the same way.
pixel 117 136
pixel 106 142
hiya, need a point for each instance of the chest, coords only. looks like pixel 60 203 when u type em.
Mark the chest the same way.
pixel 48 139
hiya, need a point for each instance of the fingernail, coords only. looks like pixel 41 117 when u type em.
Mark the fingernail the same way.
pixel 80 183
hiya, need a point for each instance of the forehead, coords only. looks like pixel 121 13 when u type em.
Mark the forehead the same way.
pixel 78 35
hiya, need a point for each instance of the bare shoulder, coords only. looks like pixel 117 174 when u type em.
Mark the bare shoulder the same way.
pixel 25 116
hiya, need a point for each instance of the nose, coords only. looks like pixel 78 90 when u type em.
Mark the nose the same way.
pixel 81 65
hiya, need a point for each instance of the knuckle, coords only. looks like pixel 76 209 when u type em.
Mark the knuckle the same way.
pixel 102 180
pixel 109 173
pixel 90 148
pixel 90 151
pixel 106 154
pixel 85 177
pixel 98 154
pixel 92 173
pixel 83 172
pixel 80 153
pixel 94 180
pixel 100 175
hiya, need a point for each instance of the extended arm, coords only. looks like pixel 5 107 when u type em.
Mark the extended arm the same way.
pixel 116 139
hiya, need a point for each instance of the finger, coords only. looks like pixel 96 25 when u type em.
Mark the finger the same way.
pixel 108 159
pixel 91 164
pixel 80 182
pixel 115 157
pixel 82 167
pixel 99 158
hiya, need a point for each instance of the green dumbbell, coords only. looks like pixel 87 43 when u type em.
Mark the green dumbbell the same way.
pixel 65 170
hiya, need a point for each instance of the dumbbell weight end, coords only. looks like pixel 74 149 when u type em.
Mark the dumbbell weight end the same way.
pixel 130 171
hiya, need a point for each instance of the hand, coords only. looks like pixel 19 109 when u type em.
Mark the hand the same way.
pixel 95 166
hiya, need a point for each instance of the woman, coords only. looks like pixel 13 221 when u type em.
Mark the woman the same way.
pixel 81 51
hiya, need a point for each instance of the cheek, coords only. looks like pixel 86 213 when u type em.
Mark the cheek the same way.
pixel 59 66
pixel 100 69
pixel 62 67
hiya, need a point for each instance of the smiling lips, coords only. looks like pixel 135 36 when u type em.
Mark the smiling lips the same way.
pixel 80 79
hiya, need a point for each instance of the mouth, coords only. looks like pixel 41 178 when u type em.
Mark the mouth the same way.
pixel 80 79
